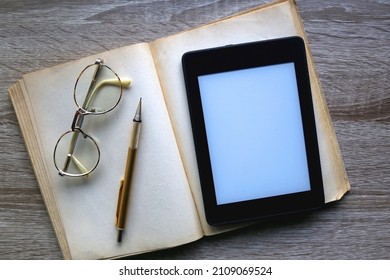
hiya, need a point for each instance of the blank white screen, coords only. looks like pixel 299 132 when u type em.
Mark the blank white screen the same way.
pixel 255 134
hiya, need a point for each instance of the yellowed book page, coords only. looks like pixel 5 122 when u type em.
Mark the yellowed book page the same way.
pixel 269 22
pixel 161 209
pixel 31 141
pixel 336 182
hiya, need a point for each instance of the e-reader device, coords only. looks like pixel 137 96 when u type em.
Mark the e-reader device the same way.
pixel 254 129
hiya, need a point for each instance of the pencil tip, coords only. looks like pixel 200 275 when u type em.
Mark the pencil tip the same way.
pixel 137 116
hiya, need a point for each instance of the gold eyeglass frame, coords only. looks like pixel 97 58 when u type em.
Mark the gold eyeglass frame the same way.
pixel 83 111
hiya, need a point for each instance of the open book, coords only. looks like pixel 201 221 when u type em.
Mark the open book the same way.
pixel 165 205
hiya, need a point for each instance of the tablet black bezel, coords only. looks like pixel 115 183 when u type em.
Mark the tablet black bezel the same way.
pixel 244 56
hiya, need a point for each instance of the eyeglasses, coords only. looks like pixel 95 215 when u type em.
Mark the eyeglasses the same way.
pixel 97 91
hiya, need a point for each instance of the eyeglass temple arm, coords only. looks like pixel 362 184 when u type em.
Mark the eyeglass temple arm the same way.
pixel 93 89
pixel 77 121
pixel 93 82
pixel 78 164
pixel 113 82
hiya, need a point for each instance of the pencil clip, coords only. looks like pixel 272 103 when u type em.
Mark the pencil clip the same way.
pixel 119 199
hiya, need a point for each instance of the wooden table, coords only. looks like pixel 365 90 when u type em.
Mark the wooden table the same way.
pixel 351 46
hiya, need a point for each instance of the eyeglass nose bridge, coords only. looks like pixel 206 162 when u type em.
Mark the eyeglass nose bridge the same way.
pixel 78 120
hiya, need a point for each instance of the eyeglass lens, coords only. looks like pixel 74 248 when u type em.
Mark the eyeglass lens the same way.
pixel 98 89
pixel 76 154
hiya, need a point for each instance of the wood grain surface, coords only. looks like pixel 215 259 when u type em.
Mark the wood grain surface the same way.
pixel 350 42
